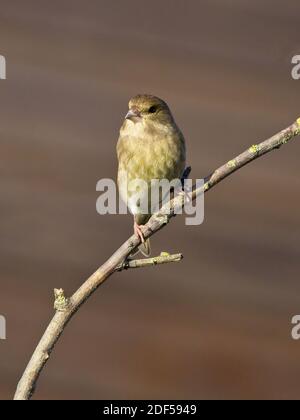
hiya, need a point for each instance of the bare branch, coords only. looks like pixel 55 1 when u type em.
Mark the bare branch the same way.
pixel 70 306
pixel 163 258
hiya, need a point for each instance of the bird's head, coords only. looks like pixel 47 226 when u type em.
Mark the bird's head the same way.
pixel 148 108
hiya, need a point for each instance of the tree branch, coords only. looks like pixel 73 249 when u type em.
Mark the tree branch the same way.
pixel 66 308
pixel 163 258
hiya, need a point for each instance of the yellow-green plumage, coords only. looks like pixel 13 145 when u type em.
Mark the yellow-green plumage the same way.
pixel 150 146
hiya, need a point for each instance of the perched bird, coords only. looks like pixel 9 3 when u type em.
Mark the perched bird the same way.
pixel 150 146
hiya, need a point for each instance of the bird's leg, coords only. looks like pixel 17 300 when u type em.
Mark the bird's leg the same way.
pixel 138 231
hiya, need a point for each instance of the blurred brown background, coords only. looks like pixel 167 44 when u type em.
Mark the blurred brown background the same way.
pixel 216 325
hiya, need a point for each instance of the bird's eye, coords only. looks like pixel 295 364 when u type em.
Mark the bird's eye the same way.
pixel 152 109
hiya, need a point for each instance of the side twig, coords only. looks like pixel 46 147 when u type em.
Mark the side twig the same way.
pixel 163 258
pixel 67 307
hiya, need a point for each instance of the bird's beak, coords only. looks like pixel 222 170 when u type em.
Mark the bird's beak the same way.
pixel 133 115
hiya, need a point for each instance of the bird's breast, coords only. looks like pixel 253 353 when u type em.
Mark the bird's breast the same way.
pixel 146 155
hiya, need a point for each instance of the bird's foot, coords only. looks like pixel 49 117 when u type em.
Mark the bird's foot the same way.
pixel 138 232
pixel 185 175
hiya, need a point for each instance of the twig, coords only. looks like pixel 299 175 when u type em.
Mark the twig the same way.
pixel 68 307
pixel 163 258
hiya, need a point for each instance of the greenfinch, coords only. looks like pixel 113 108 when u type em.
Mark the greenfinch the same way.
pixel 150 147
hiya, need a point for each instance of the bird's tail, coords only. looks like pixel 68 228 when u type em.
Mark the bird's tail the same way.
pixel 145 248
